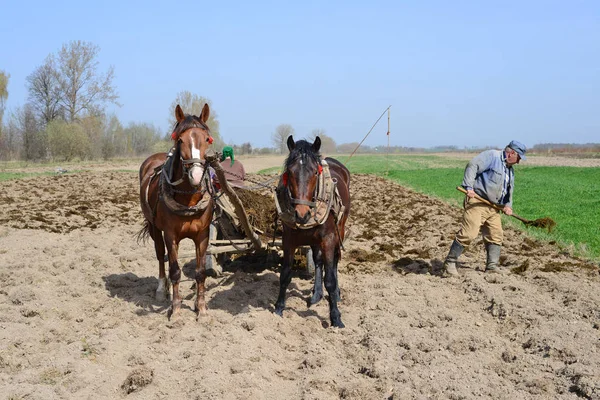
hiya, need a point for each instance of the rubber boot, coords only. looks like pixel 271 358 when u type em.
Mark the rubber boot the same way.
pixel 450 264
pixel 493 258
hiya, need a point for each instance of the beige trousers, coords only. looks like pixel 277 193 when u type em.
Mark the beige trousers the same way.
pixel 479 216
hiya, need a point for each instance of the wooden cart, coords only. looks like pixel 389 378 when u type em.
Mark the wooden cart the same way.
pixel 231 231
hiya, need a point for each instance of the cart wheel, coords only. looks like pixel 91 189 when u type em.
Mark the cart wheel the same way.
pixel 310 262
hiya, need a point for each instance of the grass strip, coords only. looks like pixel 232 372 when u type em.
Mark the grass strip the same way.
pixel 568 195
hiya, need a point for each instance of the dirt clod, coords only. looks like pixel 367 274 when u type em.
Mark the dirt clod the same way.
pixel 137 380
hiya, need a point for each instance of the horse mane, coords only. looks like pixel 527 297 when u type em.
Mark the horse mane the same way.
pixel 190 121
pixel 301 147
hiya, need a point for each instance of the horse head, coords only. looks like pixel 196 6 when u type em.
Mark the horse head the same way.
pixel 301 170
pixel 192 137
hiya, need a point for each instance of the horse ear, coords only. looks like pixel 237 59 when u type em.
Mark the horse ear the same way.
pixel 179 115
pixel 317 144
pixel 290 143
pixel 205 113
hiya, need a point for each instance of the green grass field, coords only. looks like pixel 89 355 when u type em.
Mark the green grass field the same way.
pixel 4 176
pixel 568 195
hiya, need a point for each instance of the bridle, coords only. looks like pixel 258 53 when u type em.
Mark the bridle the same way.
pixel 187 165
pixel 292 199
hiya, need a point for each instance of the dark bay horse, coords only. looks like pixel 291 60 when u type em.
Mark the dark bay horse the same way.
pixel 324 234
pixel 175 201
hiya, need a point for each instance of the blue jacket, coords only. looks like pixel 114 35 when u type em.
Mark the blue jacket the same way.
pixel 486 174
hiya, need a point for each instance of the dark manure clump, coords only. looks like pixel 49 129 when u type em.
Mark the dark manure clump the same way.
pixel 260 209
pixel 544 223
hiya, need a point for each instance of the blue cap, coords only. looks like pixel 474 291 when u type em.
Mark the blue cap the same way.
pixel 519 148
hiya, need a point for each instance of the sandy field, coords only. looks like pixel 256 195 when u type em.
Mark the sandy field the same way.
pixel 79 320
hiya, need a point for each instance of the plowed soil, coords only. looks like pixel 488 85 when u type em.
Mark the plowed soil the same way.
pixel 79 320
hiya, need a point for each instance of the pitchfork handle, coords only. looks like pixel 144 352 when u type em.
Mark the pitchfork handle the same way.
pixel 489 203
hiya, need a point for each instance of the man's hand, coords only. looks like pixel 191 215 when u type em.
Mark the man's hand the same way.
pixel 507 210
pixel 470 193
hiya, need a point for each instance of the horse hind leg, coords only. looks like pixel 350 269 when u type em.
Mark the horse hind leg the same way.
pixel 162 292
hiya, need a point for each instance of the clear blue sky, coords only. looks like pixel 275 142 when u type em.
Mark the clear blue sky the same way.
pixel 464 73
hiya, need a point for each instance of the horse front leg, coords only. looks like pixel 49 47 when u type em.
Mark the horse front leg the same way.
pixel 163 290
pixel 317 293
pixel 285 278
pixel 200 304
pixel 332 286
pixel 174 272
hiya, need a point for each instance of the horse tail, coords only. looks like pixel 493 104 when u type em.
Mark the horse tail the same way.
pixel 143 234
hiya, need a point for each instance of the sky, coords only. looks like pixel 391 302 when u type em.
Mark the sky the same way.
pixel 455 73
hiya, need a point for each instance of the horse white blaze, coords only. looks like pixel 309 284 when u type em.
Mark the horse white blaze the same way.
pixel 196 171
pixel 195 150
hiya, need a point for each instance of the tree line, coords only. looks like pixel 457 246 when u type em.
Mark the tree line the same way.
pixel 65 116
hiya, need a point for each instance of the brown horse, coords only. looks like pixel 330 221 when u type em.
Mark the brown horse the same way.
pixel 305 223
pixel 176 203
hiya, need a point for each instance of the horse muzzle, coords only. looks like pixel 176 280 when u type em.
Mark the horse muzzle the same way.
pixel 302 209
pixel 195 174
pixel 302 216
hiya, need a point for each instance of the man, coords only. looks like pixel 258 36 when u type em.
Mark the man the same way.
pixel 234 170
pixel 489 175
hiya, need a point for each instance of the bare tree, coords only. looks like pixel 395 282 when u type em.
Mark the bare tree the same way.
pixel 327 143
pixel 82 87
pixel 280 136
pixel 114 140
pixel 246 148
pixel 44 90
pixel 3 94
pixel 32 137
pixel 316 132
pixel 192 103
pixel 11 144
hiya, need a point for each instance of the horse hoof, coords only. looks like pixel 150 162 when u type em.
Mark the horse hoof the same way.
pixel 314 300
pixel 172 314
pixel 200 311
pixel 175 308
pixel 337 324
pixel 279 311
